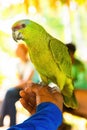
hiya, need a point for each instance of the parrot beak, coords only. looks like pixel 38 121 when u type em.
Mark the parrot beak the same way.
pixel 17 36
pixel 14 36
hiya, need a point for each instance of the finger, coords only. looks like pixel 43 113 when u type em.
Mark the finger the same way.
pixel 28 97
pixel 29 86
pixel 24 95
pixel 37 88
pixel 59 100
pixel 34 87
pixel 25 104
pixel 28 106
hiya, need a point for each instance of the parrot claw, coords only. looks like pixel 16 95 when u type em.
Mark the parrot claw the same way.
pixel 43 84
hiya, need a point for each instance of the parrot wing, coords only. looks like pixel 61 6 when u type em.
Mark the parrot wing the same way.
pixel 61 56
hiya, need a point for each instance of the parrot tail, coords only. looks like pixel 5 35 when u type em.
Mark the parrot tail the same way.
pixel 70 101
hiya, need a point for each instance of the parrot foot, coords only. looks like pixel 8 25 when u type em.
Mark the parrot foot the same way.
pixel 43 84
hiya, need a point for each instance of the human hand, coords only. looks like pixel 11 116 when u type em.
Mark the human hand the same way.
pixel 34 94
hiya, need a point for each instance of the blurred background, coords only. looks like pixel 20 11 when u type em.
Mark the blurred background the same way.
pixel 66 20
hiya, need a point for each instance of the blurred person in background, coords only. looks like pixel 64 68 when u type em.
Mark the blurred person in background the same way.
pixel 78 69
pixel 25 72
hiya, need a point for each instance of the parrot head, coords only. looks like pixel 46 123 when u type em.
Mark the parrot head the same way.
pixel 26 29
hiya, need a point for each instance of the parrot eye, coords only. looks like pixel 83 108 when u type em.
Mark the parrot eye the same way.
pixel 20 26
pixel 23 25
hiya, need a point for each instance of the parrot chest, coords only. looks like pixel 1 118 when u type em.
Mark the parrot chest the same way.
pixel 43 62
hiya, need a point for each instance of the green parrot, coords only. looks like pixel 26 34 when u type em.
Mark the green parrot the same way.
pixel 49 56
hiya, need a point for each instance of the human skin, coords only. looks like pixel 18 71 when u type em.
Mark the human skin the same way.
pixel 35 94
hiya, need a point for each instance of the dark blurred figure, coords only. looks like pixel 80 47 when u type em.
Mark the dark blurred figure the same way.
pixel 78 69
